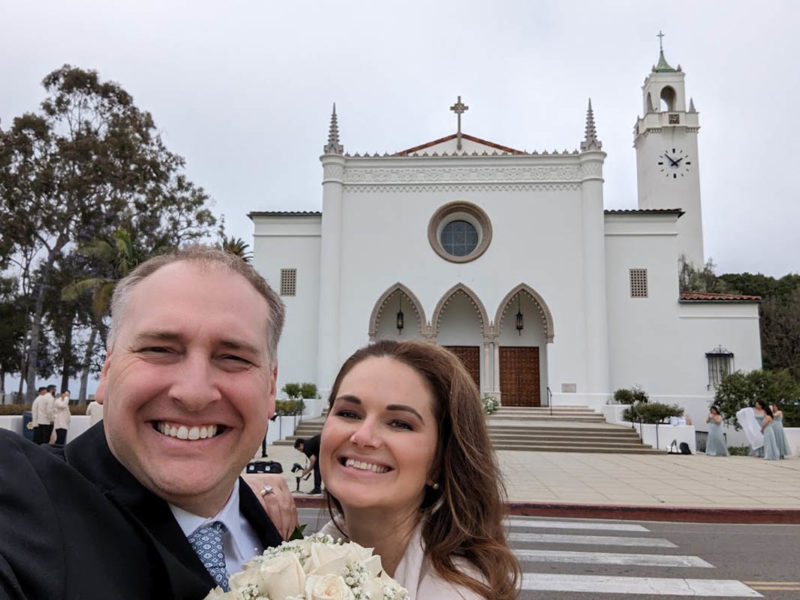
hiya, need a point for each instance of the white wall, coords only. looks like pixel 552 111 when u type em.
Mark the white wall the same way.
pixel 292 242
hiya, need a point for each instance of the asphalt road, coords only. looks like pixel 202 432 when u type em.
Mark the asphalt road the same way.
pixel 581 559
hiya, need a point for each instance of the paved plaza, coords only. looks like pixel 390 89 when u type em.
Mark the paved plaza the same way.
pixel 734 484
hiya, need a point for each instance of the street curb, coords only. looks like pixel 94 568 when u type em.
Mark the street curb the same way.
pixel 627 512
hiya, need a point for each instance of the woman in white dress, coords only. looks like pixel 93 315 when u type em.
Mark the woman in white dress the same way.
pixel 715 444
pixel 409 470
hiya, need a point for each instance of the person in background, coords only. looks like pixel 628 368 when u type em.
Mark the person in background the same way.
pixel 770 450
pixel 715 444
pixel 409 470
pixel 94 410
pixel 45 413
pixel 188 386
pixel 780 435
pixel 61 417
pixel 37 415
pixel 310 448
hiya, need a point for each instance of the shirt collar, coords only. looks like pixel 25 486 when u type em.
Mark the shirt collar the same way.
pixel 236 542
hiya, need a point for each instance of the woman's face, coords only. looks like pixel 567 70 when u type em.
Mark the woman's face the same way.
pixel 379 440
pixel 759 407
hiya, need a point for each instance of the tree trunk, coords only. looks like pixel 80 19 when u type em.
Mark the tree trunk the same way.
pixel 66 354
pixel 36 330
pixel 2 386
pixel 87 365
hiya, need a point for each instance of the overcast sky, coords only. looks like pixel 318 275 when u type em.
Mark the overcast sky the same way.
pixel 243 90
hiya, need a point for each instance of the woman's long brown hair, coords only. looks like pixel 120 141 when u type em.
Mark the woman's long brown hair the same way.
pixel 464 517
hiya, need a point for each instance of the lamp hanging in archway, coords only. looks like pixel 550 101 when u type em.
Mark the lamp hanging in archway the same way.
pixel 400 318
pixel 520 322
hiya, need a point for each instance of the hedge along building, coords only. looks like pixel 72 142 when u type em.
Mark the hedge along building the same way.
pixel 509 259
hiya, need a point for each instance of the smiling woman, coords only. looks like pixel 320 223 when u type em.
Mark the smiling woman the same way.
pixel 404 451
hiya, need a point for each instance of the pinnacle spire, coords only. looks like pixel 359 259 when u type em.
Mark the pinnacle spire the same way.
pixel 590 141
pixel 333 146
pixel 662 66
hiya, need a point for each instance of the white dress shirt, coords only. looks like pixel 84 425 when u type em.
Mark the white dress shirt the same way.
pixel 239 543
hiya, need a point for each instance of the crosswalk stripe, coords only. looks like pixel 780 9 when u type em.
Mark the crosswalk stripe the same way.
pixel 545 524
pixel 727 588
pixel 599 540
pixel 608 558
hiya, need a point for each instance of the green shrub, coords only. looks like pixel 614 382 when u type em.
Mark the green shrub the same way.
pixel 739 450
pixel 296 391
pixel 289 408
pixel 292 390
pixel 651 412
pixel 308 390
pixel 639 395
pixel 623 396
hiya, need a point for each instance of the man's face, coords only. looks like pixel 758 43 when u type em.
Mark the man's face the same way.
pixel 187 387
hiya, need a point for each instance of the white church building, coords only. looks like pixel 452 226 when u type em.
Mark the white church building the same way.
pixel 510 259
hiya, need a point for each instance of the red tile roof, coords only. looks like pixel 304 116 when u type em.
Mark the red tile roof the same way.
pixel 416 149
pixel 715 297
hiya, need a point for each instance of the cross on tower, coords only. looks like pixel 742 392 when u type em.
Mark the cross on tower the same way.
pixel 660 37
pixel 459 108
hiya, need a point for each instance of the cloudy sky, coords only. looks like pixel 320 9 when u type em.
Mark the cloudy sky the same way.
pixel 243 90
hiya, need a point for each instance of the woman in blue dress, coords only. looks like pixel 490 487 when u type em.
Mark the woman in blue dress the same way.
pixel 780 435
pixel 715 445
pixel 765 419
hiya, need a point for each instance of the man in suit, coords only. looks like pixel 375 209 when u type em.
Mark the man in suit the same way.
pixel 188 386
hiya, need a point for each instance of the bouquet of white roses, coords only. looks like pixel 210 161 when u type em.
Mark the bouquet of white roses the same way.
pixel 314 568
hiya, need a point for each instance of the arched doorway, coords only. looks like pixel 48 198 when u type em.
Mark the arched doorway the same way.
pixel 524 327
pixel 460 322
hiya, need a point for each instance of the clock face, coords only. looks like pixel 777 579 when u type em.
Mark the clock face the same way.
pixel 674 163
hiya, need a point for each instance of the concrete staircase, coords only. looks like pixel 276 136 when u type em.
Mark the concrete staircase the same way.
pixel 537 429
pixel 562 429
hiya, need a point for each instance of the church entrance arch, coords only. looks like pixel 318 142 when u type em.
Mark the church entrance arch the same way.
pixel 524 327
pixel 398 315
pixel 460 323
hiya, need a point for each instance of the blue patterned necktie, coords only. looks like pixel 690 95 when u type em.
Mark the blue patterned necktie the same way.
pixel 207 543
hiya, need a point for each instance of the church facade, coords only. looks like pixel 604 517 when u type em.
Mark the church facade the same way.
pixel 510 259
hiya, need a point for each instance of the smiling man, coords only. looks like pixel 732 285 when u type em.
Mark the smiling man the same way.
pixel 188 387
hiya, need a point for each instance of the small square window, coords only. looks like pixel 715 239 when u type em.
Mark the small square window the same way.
pixel 638 283
pixel 674 119
pixel 288 282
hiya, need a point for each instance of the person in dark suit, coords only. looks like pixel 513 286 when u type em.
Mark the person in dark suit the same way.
pixel 188 386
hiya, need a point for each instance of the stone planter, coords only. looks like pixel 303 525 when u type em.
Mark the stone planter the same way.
pixel 660 436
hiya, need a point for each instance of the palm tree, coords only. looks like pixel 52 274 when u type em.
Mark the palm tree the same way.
pixel 237 247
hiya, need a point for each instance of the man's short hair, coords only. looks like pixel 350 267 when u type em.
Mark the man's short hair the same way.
pixel 299 442
pixel 42 389
pixel 203 255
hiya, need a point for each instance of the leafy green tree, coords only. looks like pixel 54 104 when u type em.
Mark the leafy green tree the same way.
pixel 780 333
pixel 738 390
pixel 12 331
pixel 692 279
pixel 89 161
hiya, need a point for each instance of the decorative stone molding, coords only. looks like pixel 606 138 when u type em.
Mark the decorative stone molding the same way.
pixel 377 310
pixel 450 175
pixel 544 312
pixel 591 169
pixel 462 188
pixel 332 172
pixel 460 288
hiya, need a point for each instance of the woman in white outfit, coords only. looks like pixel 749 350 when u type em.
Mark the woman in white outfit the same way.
pixel 62 417
pixel 409 471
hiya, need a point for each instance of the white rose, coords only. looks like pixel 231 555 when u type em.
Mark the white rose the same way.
pixel 327 587
pixel 276 577
pixel 332 559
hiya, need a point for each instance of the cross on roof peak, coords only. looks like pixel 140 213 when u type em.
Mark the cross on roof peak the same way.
pixel 459 108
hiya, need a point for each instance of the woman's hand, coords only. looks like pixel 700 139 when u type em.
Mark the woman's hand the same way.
pixel 278 503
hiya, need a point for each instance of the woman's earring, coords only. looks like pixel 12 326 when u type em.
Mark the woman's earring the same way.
pixel 435 485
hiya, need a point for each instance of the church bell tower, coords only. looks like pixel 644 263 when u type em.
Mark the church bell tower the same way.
pixel 667 163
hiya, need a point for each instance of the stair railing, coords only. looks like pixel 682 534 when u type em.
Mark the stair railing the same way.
pixel 550 400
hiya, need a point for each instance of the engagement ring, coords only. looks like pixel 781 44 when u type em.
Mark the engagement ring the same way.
pixel 267 490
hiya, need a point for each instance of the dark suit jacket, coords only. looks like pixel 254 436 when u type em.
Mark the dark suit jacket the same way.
pixel 80 526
